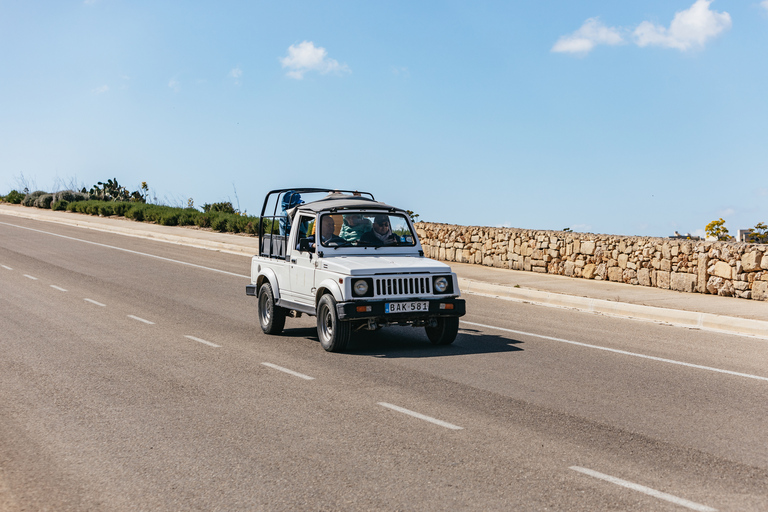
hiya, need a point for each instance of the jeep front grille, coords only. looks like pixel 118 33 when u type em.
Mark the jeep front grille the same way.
pixel 402 286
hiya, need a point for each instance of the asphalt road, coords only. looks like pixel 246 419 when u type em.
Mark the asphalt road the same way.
pixel 134 376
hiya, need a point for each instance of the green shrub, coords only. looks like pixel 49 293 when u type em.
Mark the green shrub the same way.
pixel 169 218
pixel 29 199
pixel 219 223
pixel 43 201
pixel 59 205
pixel 188 217
pixel 219 207
pixel 14 197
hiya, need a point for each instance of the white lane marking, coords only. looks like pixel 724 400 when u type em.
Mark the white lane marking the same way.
pixel 58 288
pixel 291 372
pixel 141 320
pixel 624 352
pixel 202 341
pixel 6 267
pixel 31 277
pixel 130 251
pixel 645 490
pixel 421 416
pixel 94 302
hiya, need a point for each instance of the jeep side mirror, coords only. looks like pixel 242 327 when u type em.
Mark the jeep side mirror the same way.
pixel 304 245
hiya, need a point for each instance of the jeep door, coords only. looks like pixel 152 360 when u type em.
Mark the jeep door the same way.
pixel 302 263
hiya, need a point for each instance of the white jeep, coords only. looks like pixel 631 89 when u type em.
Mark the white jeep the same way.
pixel 352 262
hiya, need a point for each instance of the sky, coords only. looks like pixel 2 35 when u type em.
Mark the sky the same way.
pixel 629 118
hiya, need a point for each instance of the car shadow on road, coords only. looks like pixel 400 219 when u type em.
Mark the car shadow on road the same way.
pixel 410 342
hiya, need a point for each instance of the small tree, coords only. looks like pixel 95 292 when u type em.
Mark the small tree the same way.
pixel 717 229
pixel 758 234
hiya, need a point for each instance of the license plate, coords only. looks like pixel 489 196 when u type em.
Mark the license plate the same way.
pixel 405 307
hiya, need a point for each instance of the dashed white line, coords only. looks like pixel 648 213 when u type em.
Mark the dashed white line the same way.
pixel 94 302
pixel 623 352
pixel 6 267
pixel 421 416
pixel 202 341
pixel 290 372
pixel 58 288
pixel 30 277
pixel 646 490
pixel 141 320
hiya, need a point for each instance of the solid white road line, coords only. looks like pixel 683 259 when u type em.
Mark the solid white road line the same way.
pixel 623 352
pixel 141 320
pixel 58 288
pixel 202 341
pixel 6 267
pixel 421 416
pixel 94 302
pixel 31 277
pixel 645 490
pixel 129 251
pixel 291 372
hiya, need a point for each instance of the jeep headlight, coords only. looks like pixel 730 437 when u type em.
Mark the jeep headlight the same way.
pixel 441 284
pixel 360 287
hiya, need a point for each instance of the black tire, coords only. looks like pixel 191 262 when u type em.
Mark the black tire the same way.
pixel 333 333
pixel 271 317
pixel 444 332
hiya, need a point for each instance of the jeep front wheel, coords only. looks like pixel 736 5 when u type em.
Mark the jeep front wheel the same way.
pixel 271 317
pixel 333 333
pixel 444 332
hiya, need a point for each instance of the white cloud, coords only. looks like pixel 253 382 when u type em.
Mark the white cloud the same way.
pixel 305 57
pixel 100 90
pixel 591 34
pixel 174 85
pixel 764 3
pixel 236 73
pixel 728 212
pixel 689 28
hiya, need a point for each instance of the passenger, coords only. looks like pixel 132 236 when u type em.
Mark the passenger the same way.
pixel 381 234
pixel 355 226
pixel 327 232
pixel 291 200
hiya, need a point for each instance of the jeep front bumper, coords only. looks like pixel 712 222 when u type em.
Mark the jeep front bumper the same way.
pixel 376 310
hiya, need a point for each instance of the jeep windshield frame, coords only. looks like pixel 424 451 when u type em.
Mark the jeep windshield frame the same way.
pixel 376 228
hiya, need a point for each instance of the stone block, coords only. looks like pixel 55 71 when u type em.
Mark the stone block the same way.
pixel 569 268
pixel 683 282
pixel 588 247
pixel 764 262
pixel 644 277
pixel 616 274
pixel 750 262
pixel 623 260
pixel 662 280
pixel 701 282
pixel 718 286
pixel 589 271
pixel 760 290
pixel 721 269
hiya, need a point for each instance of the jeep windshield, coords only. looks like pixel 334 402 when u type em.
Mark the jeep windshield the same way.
pixel 365 229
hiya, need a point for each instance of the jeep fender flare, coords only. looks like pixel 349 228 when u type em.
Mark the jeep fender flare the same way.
pixel 329 286
pixel 268 275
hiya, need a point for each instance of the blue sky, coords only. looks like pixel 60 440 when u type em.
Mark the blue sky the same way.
pixel 632 117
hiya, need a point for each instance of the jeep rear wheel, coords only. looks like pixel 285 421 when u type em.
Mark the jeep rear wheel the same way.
pixel 333 333
pixel 444 332
pixel 271 317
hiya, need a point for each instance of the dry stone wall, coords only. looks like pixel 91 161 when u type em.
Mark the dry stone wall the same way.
pixel 721 268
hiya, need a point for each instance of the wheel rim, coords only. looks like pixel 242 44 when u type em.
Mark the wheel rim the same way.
pixel 326 323
pixel 264 309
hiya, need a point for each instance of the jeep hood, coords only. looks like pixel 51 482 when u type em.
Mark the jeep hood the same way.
pixel 367 265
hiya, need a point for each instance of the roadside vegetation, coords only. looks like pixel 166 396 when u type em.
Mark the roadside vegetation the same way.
pixel 109 198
